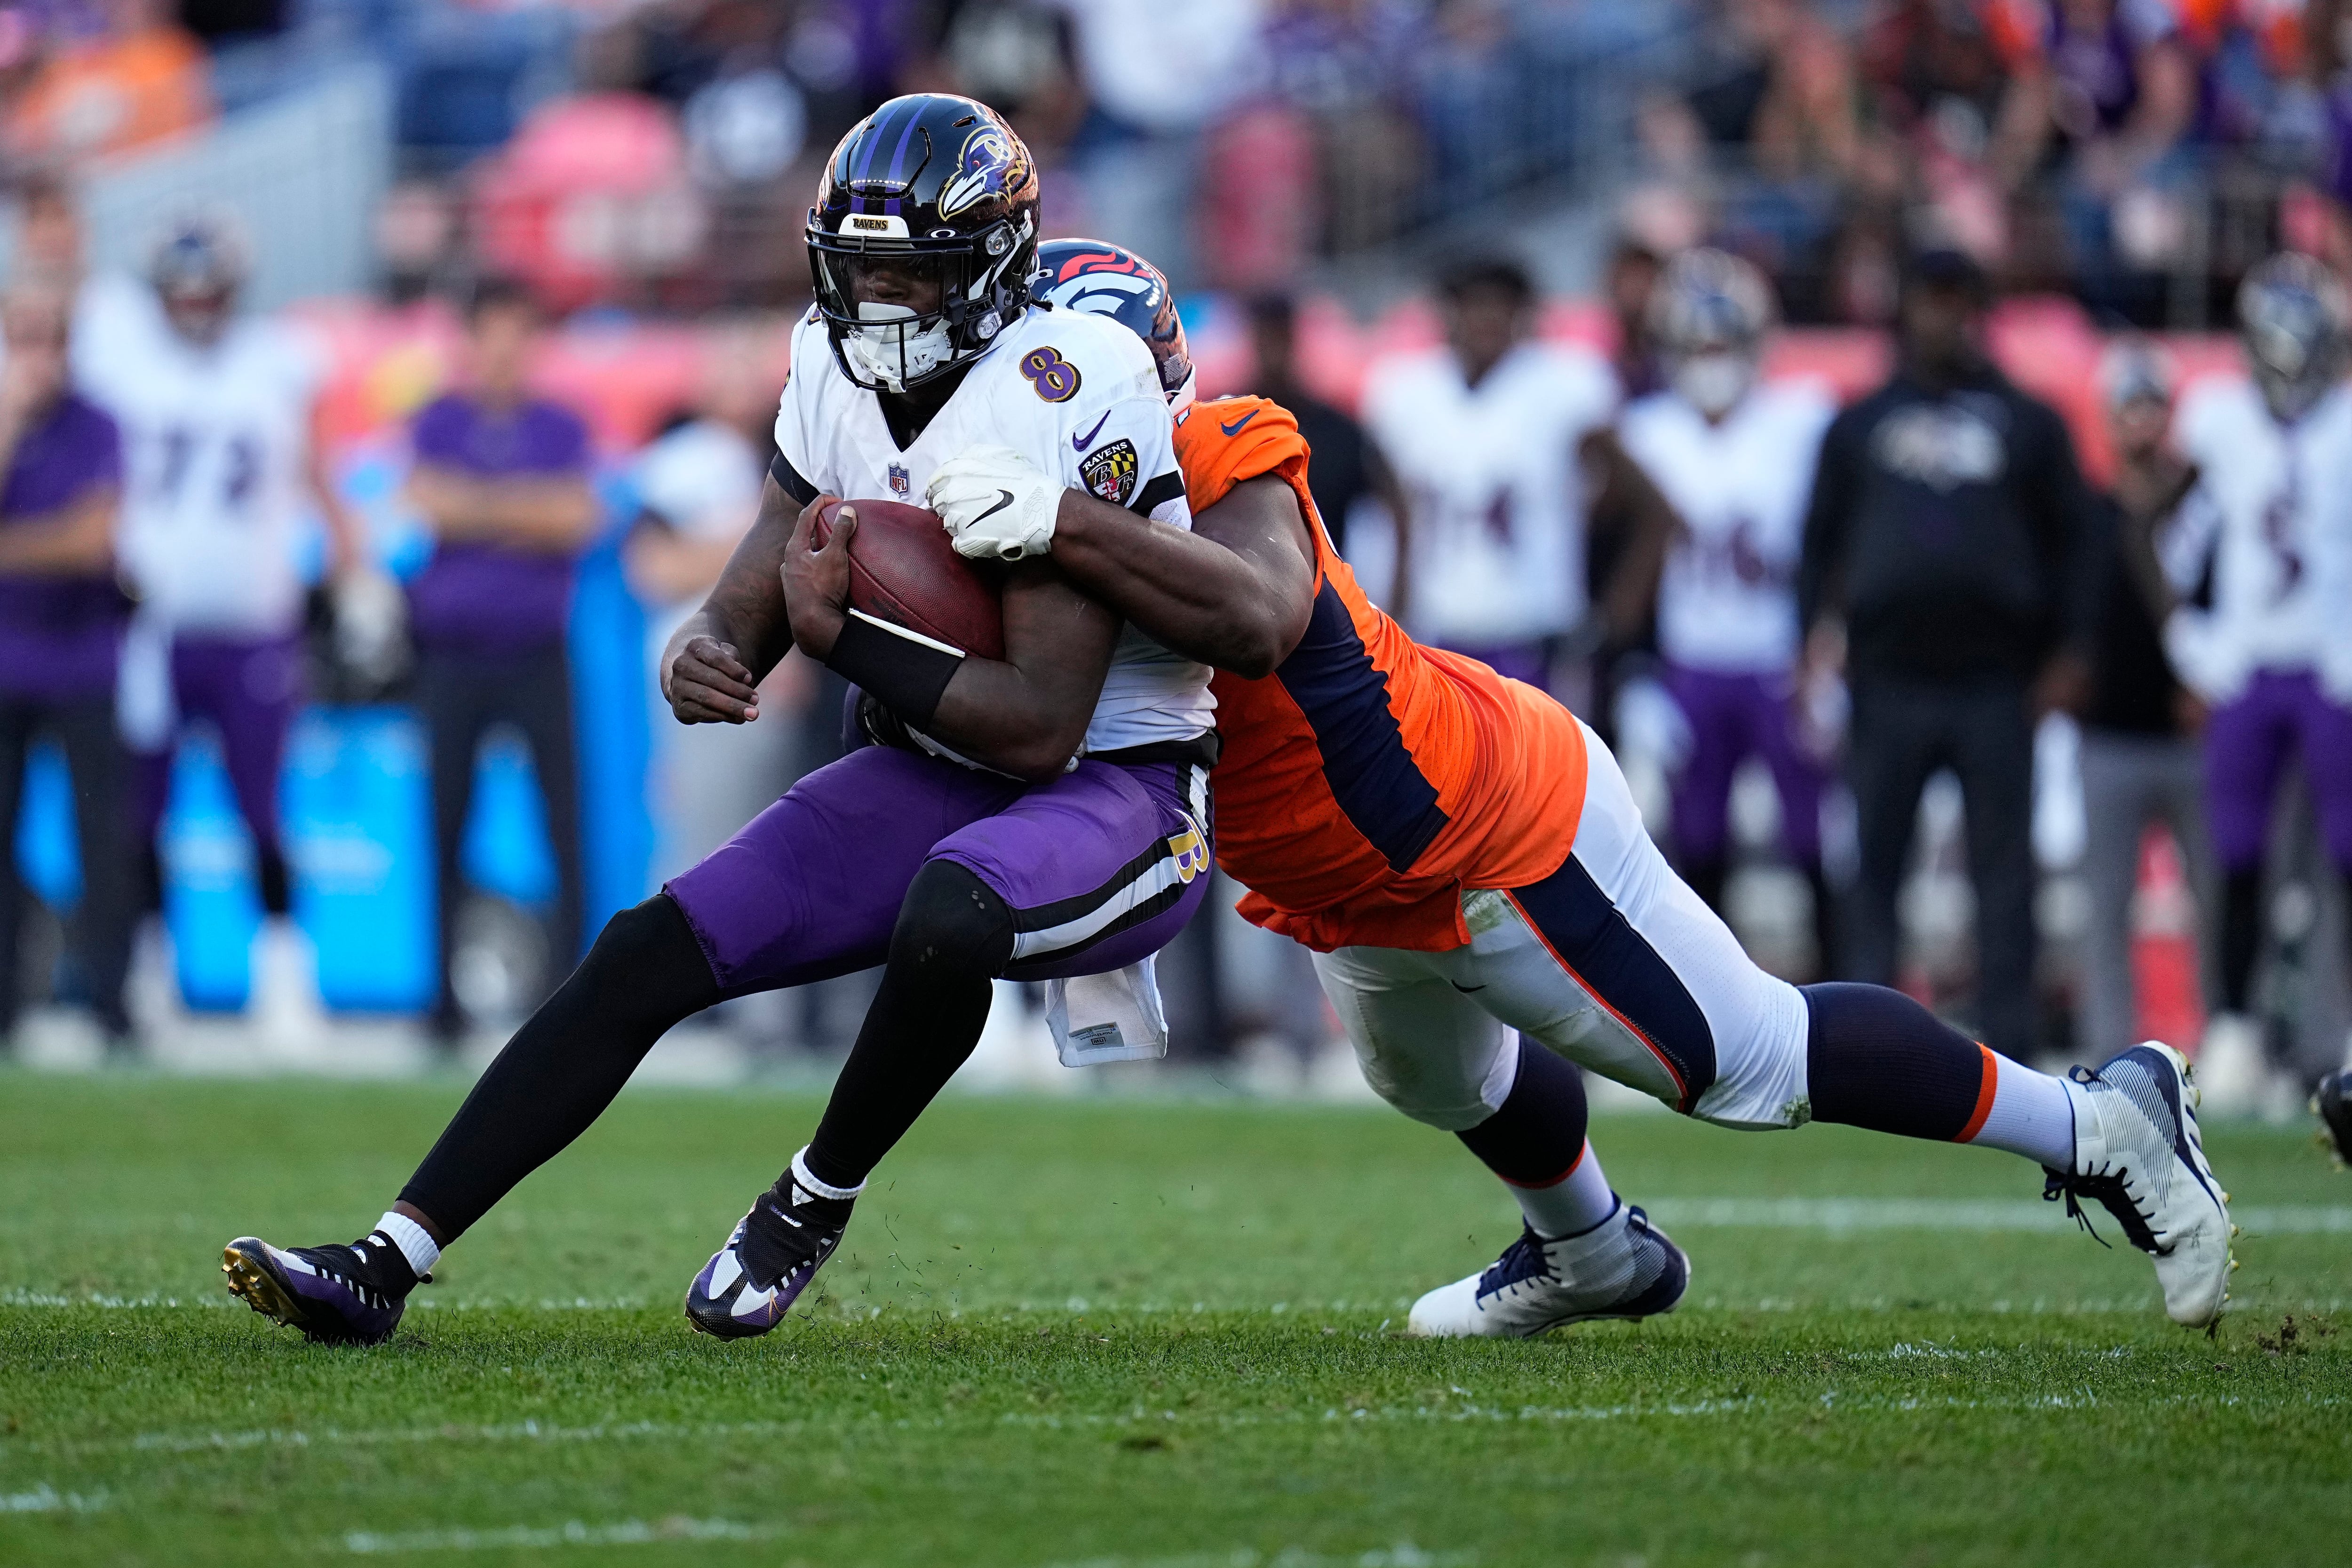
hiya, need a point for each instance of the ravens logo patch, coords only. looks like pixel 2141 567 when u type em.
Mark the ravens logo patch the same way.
pixel 1110 473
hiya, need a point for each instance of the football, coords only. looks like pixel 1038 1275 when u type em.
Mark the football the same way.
pixel 904 570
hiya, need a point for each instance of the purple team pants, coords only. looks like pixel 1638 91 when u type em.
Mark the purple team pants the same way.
pixel 250 689
pixel 1101 867
pixel 1733 716
pixel 2246 746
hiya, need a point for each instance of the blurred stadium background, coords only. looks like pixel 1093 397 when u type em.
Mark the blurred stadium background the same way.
pixel 644 166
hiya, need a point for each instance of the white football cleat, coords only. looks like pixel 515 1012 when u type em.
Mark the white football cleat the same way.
pixel 1623 1268
pixel 2137 1150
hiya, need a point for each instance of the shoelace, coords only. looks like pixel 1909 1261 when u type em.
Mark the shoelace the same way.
pixel 1522 1260
pixel 2110 1190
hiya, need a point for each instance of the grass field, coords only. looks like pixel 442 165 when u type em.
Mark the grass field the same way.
pixel 1149 1332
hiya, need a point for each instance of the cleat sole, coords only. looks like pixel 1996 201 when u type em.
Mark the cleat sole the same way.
pixel 252 1281
pixel 254 1285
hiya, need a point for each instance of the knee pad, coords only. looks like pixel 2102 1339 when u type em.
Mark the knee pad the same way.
pixel 952 922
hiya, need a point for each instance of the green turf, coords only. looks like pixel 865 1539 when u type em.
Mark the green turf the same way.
pixel 1154 1332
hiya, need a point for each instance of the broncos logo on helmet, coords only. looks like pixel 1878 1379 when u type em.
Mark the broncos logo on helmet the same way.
pixel 1101 279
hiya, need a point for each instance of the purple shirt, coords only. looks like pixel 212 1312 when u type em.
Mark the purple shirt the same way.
pixel 477 598
pixel 61 637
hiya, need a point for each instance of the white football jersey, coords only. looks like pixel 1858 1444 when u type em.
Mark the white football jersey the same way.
pixel 1728 601
pixel 1496 492
pixel 2254 543
pixel 216 444
pixel 1076 395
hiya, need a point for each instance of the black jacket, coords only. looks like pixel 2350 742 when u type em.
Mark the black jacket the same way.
pixel 1952 530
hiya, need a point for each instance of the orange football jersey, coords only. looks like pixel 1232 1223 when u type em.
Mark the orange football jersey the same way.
pixel 1369 779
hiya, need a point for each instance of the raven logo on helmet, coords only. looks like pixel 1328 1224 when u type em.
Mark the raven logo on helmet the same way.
pixel 993 162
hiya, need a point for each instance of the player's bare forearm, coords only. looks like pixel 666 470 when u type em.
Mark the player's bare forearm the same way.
pixel 1235 593
pixel 1652 526
pixel 713 665
pixel 72 541
pixel 1026 714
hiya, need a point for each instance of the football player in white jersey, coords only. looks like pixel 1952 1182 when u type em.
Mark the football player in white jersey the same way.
pixel 1734 459
pixel 1040 816
pixel 224 478
pixel 1504 447
pixel 2261 550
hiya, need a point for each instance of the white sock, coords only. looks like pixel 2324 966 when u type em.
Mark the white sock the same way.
pixel 2032 1114
pixel 800 1175
pixel 415 1243
pixel 1572 1205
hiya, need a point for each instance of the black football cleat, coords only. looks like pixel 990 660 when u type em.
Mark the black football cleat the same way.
pixel 335 1295
pixel 2332 1102
pixel 752 1281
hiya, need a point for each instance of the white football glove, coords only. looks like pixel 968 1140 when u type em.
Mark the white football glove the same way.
pixel 995 503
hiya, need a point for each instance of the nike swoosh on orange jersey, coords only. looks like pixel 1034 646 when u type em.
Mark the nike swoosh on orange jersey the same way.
pixel 1235 427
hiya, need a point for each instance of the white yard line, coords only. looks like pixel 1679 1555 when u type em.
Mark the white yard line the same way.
pixel 572 1532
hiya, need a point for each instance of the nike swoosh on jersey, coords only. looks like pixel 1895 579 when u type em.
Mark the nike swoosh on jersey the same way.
pixel 1235 427
pixel 1080 443
pixel 1003 500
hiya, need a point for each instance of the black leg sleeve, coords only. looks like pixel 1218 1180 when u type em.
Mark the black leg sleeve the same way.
pixel 1538 1136
pixel 561 1069
pixel 2241 936
pixel 953 936
pixel 1875 1058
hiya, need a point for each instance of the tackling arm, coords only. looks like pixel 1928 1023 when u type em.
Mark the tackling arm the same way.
pixel 1235 593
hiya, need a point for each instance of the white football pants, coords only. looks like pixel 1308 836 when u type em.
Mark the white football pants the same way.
pixel 1611 961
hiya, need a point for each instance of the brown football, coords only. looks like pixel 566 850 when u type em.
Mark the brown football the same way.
pixel 903 570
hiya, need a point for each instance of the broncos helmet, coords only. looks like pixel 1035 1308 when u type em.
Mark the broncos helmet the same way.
pixel 1708 314
pixel 2292 319
pixel 1103 280
pixel 941 179
pixel 197 263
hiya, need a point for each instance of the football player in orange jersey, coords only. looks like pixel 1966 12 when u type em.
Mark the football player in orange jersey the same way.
pixel 1463 857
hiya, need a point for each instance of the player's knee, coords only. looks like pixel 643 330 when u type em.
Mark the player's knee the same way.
pixel 951 923
pixel 647 962
pixel 1451 1089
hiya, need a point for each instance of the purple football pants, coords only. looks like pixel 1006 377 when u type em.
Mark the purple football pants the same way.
pixel 1100 868
pixel 250 689
pixel 2247 743
pixel 1733 717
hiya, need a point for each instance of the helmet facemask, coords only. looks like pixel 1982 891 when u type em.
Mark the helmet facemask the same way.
pixel 892 347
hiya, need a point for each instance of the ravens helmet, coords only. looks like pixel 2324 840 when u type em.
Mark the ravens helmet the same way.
pixel 1707 316
pixel 1103 280
pixel 2292 318
pixel 198 262
pixel 939 184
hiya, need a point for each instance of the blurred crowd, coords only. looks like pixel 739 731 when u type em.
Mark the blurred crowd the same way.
pixel 2140 153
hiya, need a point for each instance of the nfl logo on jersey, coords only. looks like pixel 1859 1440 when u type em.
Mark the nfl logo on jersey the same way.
pixel 899 484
